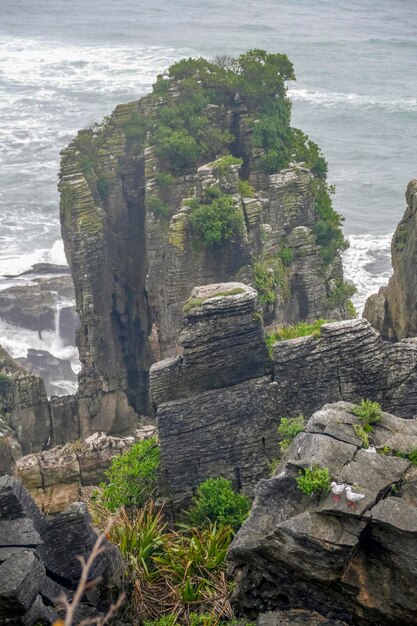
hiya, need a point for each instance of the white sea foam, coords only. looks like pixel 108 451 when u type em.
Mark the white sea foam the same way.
pixel 367 263
pixel 352 100
pixel 16 341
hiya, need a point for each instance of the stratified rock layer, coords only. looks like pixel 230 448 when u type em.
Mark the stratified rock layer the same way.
pixel 316 552
pixel 218 404
pixel 38 558
pixel 393 309
pixel 60 476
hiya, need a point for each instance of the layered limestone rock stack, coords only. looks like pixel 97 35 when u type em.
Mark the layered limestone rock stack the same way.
pixel 65 474
pixel 25 418
pixel 219 402
pixel 134 258
pixel 355 564
pixel 38 560
pixel 393 309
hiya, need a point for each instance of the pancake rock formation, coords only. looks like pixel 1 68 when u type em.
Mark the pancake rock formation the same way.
pixel 225 386
pixel 138 194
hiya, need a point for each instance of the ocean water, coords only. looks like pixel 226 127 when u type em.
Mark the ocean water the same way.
pixel 66 64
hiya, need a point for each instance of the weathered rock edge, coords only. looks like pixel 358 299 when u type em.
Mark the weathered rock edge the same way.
pixel 311 552
pixel 393 310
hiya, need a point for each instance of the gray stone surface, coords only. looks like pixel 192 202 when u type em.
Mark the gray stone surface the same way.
pixel 315 553
pixel 224 387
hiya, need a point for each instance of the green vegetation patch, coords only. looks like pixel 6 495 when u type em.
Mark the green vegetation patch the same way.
pixel 314 480
pixel 302 329
pixel 328 226
pixel 158 207
pixel 368 414
pixel 245 189
pixel 340 295
pixel 216 219
pixel 289 428
pixel 131 477
pixel 216 501
pixel 270 275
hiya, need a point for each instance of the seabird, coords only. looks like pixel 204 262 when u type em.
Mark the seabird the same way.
pixel 353 498
pixel 337 490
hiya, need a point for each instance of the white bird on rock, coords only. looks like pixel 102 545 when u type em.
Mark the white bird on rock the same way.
pixel 353 498
pixel 337 490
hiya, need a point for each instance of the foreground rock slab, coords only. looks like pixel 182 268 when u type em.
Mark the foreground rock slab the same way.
pixel 38 558
pixel 354 564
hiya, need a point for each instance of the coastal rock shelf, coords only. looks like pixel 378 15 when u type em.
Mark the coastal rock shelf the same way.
pixel 355 564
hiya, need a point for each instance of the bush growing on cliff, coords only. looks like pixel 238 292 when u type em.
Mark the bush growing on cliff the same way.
pixel 328 228
pixel 217 219
pixel 314 480
pixel 216 501
pixel 340 295
pixel 131 477
pixel 289 428
pixel 169 574
pixel 368 412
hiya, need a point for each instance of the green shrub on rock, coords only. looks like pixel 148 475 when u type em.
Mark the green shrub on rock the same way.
pixel 314 480
pixel 368 412
pixel 289 428
pixel 131 477
pixel 216 220
pixel 216 501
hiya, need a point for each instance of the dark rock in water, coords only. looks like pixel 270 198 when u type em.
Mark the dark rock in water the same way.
pixel 30 566
pixel 50 368
pixel 352 563
pixel 42 268
pixel 35 305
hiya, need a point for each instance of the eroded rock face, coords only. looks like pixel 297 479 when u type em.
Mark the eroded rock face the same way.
pixel 356 564
pixel 25 418
pixel 36 553
pixel 225 387
pixel 393 309
pixel 134 258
